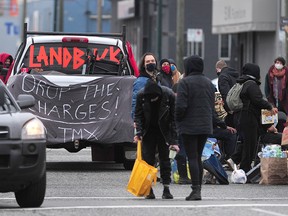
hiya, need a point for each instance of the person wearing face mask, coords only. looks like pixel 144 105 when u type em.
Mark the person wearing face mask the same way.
pixel 226 79
pixel 148 70
pixel 166 73
pixel 6 59
pixel 175 72
pixel 248 120
pixel 276 82
pixel 155 127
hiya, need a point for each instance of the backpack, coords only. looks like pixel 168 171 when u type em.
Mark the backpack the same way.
pixel 233 99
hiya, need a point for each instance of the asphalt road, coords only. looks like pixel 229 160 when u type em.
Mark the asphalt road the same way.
pixel 76 186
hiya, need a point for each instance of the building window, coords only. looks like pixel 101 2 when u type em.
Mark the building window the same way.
pixel 195 48
pixel 224 46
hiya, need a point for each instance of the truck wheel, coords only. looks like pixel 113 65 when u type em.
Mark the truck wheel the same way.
pixel 128 164
pixel 33 195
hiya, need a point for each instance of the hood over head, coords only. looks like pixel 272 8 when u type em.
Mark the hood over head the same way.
pixel 193 64
pixel 4 56
pixel 152 89
pixel 251 70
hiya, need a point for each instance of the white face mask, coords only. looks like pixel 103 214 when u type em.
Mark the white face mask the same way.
pixel 279 66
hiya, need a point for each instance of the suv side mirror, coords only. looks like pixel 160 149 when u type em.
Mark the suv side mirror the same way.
pixel 25 101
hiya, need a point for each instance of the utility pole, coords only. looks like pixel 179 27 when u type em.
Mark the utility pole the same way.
pixel 55 15
pixel 159 29
pixel 99 16
pixel 24 16
pixel 61 10
pixel 180 34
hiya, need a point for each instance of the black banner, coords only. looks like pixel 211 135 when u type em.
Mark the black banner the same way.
pixel 97 111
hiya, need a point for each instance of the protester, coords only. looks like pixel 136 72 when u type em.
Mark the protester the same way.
pixel 181 157
pixel 226 79
pixel 7 60
pixel 194 115
pixel 226 135
pixel 155 126
pixel 247 120
pixel 276 85
pixel 148 70
pixel 165 73
pixel 175 72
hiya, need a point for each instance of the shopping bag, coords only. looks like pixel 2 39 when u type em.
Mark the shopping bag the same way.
pixel 213 165
pixel 142 176
pixel 238 176
pixel 284 140
pixel 273 171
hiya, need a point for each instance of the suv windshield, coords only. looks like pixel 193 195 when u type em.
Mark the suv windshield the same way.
pixel 74 58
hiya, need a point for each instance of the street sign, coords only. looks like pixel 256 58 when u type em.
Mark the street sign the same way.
pixel 194 35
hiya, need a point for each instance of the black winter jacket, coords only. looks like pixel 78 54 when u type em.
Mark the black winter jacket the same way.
pixel 166 119
pixel 195 105
pixel 226 80
pixel 252 97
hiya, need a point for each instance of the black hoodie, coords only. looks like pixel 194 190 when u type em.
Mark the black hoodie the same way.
pixel 226 80
pixel 193 64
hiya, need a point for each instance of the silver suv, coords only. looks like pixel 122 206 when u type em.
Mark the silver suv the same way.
pixel 82 84
pixel 22 150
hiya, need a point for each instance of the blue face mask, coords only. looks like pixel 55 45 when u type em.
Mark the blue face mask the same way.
pixel 172 67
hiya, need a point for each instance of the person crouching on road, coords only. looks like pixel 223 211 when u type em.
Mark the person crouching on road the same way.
pixel 155 126
pixel 194 117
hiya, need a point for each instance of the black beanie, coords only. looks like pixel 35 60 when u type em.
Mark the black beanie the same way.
pixel 252 70
pixel 164 60
pixel 172 61
pixel 152 88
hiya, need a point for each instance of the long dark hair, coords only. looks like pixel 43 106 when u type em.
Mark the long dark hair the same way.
pixel 141 65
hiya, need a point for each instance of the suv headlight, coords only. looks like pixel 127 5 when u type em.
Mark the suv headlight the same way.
pixel 34 129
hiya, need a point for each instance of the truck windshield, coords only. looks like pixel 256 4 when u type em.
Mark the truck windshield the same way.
pixel 74 58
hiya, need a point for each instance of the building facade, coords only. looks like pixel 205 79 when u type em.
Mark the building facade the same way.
pixel 236 31
pixel 67 15
pixel 256 25
pixel 146 31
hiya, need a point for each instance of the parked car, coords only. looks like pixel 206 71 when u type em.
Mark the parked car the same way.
pixel 22 150
pixel 82 83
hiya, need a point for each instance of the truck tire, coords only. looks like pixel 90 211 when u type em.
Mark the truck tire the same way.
pixel 33 195
pixel 128 164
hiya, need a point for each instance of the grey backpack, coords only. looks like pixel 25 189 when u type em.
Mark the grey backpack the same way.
pixel 233 99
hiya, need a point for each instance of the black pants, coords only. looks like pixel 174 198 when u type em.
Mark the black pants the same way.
pixel 194 145
pixel 151 142
pixel 247 127
pixel 229 140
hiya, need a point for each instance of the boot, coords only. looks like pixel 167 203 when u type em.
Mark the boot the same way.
pixel 182 170
pixel 166 193
pixel 150 195
pixel 195 194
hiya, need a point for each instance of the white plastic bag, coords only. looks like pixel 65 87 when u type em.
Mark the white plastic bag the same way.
pixel 238 176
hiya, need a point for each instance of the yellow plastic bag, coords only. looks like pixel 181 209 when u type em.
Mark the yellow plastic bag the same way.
pixel 142 176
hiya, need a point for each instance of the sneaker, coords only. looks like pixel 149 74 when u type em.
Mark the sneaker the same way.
pixel 184 180
pixel 231 163
pixel 167 194
pixel 151 195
